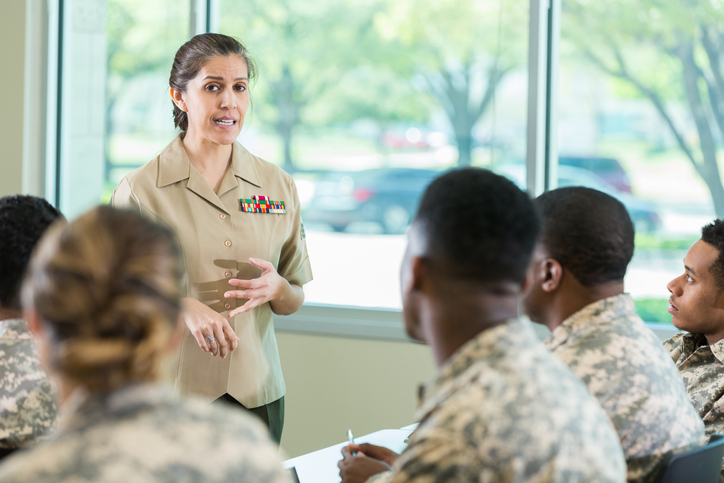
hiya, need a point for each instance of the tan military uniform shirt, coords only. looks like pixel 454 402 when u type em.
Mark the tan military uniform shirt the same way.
pixel 218 239
pixel 622 362
pixel 140 434
pixel 504 409
pixel 27 398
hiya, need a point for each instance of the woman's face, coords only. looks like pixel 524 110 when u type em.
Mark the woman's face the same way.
pixel 216 100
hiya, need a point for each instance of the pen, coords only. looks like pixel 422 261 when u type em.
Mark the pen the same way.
pixel 350 440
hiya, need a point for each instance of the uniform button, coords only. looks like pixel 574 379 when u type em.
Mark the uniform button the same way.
pixel 227 274
pixel 222 216
pixel 227 243
pixel 227 306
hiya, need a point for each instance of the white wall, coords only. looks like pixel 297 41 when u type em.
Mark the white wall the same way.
pixel 336 383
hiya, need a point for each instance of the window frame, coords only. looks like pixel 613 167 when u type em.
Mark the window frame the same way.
pixel 327 319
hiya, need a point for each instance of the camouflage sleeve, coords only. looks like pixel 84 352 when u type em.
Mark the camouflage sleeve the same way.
pixel 27 402
pixel 437 457
pixel 28 418
pixel 381 477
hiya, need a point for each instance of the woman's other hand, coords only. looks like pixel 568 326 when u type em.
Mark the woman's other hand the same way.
pixel 204 322
pixel 285 298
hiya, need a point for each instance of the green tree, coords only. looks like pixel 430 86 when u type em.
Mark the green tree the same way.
pixel 669 51
pixel 460 50
pixel 306 51
pixel 142 38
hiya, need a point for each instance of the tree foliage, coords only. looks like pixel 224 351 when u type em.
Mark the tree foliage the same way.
pixel 336 61
pixel 668 51
pixel 461 50
pixel 321 63
pixel 141 40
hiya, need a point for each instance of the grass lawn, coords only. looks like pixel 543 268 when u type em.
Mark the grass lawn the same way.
pixel 653 310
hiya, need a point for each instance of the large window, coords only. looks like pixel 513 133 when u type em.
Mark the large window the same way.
pixel 364 102
pixel 640 106
pixel 114 102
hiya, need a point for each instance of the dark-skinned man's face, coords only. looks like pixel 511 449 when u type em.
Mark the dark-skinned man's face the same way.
pixel 696 302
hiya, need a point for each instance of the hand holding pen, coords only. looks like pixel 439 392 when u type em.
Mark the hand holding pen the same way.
pixel 361 461
pixel 350 441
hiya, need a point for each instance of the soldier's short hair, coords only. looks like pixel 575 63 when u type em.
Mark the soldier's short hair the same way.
pixel 107 286
pixel 23 220
pixel 479 223
pixel 713 234
pixel 588 232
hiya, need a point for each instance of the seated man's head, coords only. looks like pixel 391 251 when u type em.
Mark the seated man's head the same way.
pixel 697 301
pixel 469 245
pixel 23 220
pixel 585 246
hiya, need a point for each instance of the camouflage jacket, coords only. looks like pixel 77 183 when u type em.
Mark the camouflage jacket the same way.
pixel 142 433
pixel 625 367
pixel 27 399
pixel 702 368
pixel 503 409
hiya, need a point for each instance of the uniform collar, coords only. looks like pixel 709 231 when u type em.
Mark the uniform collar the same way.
pixel 599 312
pixel 243 165
pixel 175 166
pixel 718 350
pixel 692 342
pixel 487 348
pixel 83 407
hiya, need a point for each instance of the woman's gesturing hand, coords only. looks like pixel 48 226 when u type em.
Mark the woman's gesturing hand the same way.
pixel 269 287
pixel 204 324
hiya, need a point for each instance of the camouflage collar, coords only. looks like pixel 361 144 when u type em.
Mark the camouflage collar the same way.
pixel 692 342
pixel 82 408
pixel 14 329
pixel 488 348
pixel 600 312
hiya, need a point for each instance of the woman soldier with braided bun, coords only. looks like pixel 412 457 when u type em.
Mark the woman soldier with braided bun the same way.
pixel 102 296
pixel 239 223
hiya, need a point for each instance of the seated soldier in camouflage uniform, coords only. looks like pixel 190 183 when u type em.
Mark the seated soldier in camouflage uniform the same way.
pixel 27 399
pixel 578 266
pixel 697 306
pixel 102 295
pixel 501 407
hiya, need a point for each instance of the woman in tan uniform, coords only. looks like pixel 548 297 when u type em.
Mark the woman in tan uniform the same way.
pixel 238 221
pixel 102 296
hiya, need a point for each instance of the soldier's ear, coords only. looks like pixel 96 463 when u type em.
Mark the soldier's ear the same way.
pixel 552 275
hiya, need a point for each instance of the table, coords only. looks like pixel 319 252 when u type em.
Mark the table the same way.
pixel 321 466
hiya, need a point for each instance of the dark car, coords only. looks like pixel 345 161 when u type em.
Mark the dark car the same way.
pixel 608 169
pixel 388 197
pixel 643 213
